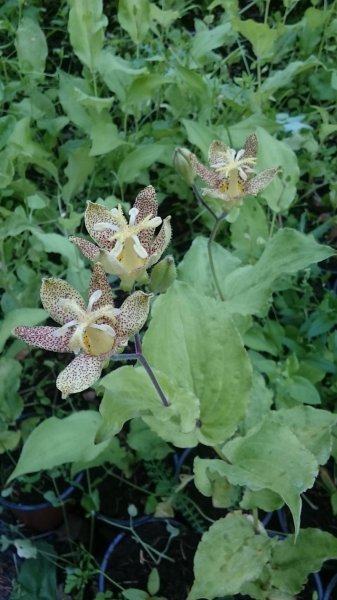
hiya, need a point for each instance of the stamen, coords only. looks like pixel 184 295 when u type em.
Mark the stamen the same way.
pixel 117 249
pixel 155 222
pixel 93 298
pixel 104 327
pixel 59 332
pixel 239 154
pixel 104 226
pixel 138 248
pixel 133 212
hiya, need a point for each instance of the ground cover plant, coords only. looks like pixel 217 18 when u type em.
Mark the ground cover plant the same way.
pixel 168 191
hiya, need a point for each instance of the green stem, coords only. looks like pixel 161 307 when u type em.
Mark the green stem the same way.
pixel 210 255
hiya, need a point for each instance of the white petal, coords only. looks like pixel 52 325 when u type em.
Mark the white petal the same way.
pixel 60 331
pixel 104 327
pixel 104 226
pixel 93 298
pixel 133 212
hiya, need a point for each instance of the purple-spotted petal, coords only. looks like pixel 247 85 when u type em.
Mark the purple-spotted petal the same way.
pixel 133 315
pixel 99 281
pixel 90 250
pixel 52 291
pixel 80 374
pixel 44 337
pixel 146 204
pixel 217 152
pixel 95 213
pixel 258 183
pixel 212 178
pixel 250 149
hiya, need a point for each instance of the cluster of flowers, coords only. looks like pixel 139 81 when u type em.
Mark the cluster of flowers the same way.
pixel 127 249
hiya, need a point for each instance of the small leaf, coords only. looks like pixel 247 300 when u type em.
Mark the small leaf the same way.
pixel 17 317
pixel 86 26
pixel 134 17
pixel 153 582
pixel 31 48
pixel 25 548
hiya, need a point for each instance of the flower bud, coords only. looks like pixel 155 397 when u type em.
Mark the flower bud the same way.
pixel 182 164
pixel 163 275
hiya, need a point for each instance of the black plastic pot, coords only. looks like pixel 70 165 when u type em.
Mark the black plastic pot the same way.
pixel 41 516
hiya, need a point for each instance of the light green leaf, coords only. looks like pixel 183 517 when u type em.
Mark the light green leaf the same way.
pixel 134 17
pixel 210 480
pixel 140 159
pixel 165 18
pixel 147 444
pixel 260 35
pixel 31 48
pixel 264 499
pixel 117 73
pixel 68 92
pixel 129 393
pixel 248 289
pixel 292 562
pixel 250 231
pixel 203 353
pixel 59 441
pixel 210 39
pixel 25 548
pixel 17 317
pixel 195 267
pixel 284 77
pixel 9 440
pixel 312 427
pixel 104 135
pixel 199 135
pixel 271 456
pixel 229 555
pixel 145 87
pixel 80 165
pixel 296 389
pixel 22 145
pixel 11 403
pixel 281 192
pixel 261 399
pixel 56 243
pixel 86 26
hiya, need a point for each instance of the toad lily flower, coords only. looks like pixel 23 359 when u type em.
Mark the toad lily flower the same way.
pixel 126 248
pixel 229 177
pixel 92 332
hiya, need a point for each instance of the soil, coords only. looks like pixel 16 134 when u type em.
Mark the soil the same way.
pixel 130 565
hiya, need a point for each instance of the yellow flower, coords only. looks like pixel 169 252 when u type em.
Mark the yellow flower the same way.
pixel 126 248
pixel 93 331
pixel 230 175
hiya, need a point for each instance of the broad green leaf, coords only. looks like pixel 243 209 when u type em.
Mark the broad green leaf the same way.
pixel 284 77
pixel 264 499
pixel 140 159
pixel 36 579
pixel 9 440
pixel 59 441
pixel 202 353
pixel 145 87
pixel 248 289
pixel 86 26
pixel 104 135
pixel 261 399
pixel 56 243
pixel 11 403
pixel 165 18
pixel 80 165
pixel 210 39
pixel 31 48
pixel 129 393
pixel 147 444
pixel 281 192
pixel 271 457
pixel 199 135
pixel 291 390
pixel 260 35
pixel 292 562
pixel 195 266
pixel 68 93
pixel 250 231
pixel 312 427
pixel 22 144
pixel 134 17
pixel 117 73
pixel 212 482
pixel 229 555
pixel 17 317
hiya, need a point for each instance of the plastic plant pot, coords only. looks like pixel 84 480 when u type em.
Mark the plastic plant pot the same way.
pixel 42 516
pixel 115 544
pixel 328 595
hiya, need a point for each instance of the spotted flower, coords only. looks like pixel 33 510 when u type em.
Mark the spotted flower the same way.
pixel 92 332
pixel 126 248
pixel 230 177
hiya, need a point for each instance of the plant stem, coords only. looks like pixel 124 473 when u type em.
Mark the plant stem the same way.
pixel 202 201
pixel 210 254
pixel 138 355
